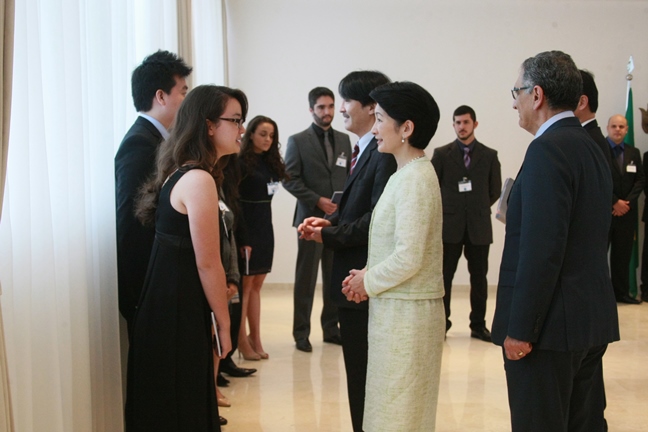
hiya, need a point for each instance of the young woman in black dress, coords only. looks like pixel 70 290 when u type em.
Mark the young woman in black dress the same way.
pixel 262 170
pixel 170 383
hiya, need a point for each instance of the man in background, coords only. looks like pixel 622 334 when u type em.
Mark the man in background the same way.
pixel 158 86
pixel 317 162
pixel 628 180
pixel 470 179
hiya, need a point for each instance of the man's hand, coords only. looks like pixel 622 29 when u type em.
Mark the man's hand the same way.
pixel 311 229
pixel 516 349
pixel 620 207
pixel 326 205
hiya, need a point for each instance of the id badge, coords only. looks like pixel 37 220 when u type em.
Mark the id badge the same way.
pixel 273 188
pixel 341 160
pixel 465 185
pixel 631 168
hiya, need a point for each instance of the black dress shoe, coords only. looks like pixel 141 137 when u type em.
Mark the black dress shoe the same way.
pixel 222 420
pixel 234 371
pixel 221 381
pixel 304 345
pixel 627 299
pixel 335 339
pixel 481 334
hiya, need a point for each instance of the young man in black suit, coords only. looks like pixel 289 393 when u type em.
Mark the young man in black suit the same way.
pixel 347 233
pixel 586 112
pixel 555 310
pixel 158 86
pixel 470 179
pixel 628 180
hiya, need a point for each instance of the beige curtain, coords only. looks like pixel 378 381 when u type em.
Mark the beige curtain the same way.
pixel 6 53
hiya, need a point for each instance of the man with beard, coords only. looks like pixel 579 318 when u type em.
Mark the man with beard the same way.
pixel 317 163
pixel 470 180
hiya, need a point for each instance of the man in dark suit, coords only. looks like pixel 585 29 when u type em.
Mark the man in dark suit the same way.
pixel 628 180
pixel 317 162
pixel 470 180
pixel 347 233
pixel 158 86
pixel 586 112
pixel 555 310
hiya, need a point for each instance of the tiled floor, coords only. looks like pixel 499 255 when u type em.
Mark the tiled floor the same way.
pixel 296 391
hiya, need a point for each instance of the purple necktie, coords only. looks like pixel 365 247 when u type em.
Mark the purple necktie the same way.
pixel 466 156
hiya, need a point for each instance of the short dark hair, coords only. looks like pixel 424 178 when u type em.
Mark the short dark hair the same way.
pixel 157 72
pixel 359 84
pixel 317 93
pixel 589 89
pixel 556 73
pixel 404 101
pixel 464 109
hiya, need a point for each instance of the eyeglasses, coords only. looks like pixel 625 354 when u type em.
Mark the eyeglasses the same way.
pixel 239 121
pixel 515 90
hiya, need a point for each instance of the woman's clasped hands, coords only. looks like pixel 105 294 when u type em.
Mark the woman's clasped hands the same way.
pixel 353 286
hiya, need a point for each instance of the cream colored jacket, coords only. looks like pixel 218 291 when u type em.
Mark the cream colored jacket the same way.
pixel 405 246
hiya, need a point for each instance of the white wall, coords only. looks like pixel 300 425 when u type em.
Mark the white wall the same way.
pixel 463 52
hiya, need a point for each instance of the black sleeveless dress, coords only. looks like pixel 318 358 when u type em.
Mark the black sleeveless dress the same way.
pixel 170 383
pixel 256 211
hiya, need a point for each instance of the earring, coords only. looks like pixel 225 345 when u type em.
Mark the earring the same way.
pixel 403 139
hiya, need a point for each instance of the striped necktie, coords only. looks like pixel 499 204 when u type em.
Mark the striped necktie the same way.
pixel 354 158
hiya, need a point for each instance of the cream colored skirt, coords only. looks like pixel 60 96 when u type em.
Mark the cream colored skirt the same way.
pixel 404 367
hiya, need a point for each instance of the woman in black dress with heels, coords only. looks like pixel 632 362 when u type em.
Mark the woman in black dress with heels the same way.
pixel 262 170
pixel 170 383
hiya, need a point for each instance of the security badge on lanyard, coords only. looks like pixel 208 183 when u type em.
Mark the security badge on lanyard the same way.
pixel 273 187
pixel 341 160
pixel 465 185
pixel 631 167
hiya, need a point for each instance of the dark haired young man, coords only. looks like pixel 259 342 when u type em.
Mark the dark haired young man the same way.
pixel 347 233
pixel 158 87
pixel 470 179
pixel 317 162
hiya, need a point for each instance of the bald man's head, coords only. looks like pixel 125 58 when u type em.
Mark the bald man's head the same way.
pixel 617 128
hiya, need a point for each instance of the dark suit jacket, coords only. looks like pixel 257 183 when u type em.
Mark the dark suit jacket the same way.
pixel 554 286
pixel 644 218
pixel 349 235
pixel 627 185
pixel 311 177
pixel 472 209
pixel 134 163
pixel 594 131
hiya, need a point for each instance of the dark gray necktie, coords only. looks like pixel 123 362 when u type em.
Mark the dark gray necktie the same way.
pixel 328 147
pixel 466 157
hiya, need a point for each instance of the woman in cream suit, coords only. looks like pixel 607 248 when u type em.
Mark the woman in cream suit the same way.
pixel 403 276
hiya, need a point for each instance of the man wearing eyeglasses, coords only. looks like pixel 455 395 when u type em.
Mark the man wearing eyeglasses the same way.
pixel 555 311
pixel 317 162
pixel 470 179
pixel 158 86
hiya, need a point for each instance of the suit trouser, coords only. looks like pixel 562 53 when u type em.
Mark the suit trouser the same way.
pixel 309 255
pixel 644 262
pixel 557 391
pixel 477 257
pixel 620 240
pixel 354 330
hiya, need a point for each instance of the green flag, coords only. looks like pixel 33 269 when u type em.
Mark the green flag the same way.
pixel 629 140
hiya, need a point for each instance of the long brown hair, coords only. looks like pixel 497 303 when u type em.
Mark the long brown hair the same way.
pixel 189 143
pixel 272 156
